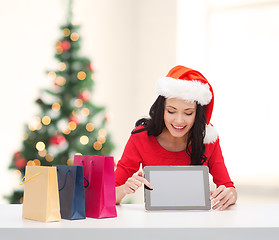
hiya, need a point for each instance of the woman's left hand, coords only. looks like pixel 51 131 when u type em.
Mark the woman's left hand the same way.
pixel 223 197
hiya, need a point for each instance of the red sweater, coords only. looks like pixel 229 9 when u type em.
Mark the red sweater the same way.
pixel 145 150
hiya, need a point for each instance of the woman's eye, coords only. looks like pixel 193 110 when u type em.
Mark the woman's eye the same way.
pixel 170 112
pixel 188 114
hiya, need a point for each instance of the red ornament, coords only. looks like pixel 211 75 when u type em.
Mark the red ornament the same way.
pixel 57 140
pixel 65 45
pixel 20 163
pixel 90 67
pixel 85 96
pixel 17 154
pixel 73 119
pixel 107 119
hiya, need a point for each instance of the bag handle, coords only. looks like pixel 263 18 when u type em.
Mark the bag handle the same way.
pixel 86 181
pixel 26 181
pixel 91 163
pixel 66 177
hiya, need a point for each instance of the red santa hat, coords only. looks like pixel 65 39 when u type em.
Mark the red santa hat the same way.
pixel 190 85
pixel 187 84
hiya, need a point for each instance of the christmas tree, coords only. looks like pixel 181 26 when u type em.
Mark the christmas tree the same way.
pixel 68 122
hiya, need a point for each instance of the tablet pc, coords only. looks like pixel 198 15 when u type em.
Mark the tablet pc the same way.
pixel 177 188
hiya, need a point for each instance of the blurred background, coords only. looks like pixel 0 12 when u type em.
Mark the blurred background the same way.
pixel 133 43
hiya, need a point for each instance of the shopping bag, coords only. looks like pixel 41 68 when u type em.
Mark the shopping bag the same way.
pixel 41 197
pixel 71 192
pixel 100 193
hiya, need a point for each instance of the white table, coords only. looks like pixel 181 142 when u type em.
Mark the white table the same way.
pixel 133 222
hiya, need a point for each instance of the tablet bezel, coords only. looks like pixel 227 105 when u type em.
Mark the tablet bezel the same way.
pixel 147 194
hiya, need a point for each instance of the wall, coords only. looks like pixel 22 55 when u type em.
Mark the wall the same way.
pixel 234 44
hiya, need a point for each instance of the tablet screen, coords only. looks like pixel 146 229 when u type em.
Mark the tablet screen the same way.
pixel 177 187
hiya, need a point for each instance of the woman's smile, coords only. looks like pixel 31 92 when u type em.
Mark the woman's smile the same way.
pixel 178 128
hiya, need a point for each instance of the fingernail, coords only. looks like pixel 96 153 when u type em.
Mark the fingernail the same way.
pixel 145 186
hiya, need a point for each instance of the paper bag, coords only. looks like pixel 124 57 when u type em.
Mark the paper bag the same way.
pixel 100 194
pixel 71 191
pixel 41 197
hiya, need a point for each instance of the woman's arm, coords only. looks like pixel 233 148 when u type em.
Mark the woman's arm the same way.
pixel 131 185
pixel 225 195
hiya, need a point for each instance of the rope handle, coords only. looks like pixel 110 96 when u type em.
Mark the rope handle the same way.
pixel 26 181
pixel 66 175
pixel 91 163
pixel 86 182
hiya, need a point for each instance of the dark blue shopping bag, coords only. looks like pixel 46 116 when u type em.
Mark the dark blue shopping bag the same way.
pixel 71 191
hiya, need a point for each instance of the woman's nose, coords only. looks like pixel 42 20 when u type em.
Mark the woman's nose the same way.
pixel 180 119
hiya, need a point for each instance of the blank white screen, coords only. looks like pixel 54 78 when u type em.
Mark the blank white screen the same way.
pixel 177 188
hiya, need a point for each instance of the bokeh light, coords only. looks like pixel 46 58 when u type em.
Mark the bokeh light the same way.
pixel 49 157
pixel 40 146
pixel 66 32
pixel 74 36
pixel 84 140
pixel 72 125
pixel 56 107
pixel 85 112
pixel 81 75
pixel 60 81
pixel 97 145
pixel 46 120
pixel 90 127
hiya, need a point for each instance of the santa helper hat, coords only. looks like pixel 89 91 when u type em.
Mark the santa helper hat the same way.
pixel 190 85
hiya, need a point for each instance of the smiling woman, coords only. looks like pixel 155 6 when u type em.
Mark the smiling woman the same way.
pixel 179 117
pixel 178 132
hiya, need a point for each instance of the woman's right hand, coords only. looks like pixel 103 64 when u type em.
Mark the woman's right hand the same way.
pixel 134 182
pixel 130 186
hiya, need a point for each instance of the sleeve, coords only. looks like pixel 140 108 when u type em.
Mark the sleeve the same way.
pixel 128 164
pixel 217 167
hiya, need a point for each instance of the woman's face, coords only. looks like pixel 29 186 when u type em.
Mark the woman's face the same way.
pixel 179 116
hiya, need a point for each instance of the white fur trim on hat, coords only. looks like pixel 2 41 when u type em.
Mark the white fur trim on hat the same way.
pixel 211 134
pixel 184 89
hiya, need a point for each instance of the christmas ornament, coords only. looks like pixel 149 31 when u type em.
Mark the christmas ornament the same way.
pixel 17 154
pixel 20 163
pixel 65 45
pixel 90 67
pixel 57 140
pixel 84 96
pixel 74 119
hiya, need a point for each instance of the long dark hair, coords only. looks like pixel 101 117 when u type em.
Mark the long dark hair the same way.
pixel 155 125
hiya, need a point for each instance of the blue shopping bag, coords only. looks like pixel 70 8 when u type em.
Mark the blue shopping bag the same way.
pixel 71 192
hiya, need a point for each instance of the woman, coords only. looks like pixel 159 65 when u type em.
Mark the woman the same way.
pixel 178 132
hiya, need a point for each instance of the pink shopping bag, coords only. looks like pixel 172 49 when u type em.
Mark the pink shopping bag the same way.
pixel 100 193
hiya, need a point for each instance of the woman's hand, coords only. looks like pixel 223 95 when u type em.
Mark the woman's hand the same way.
pixel 223 197
pixel 134 182
pixel 131 185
